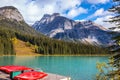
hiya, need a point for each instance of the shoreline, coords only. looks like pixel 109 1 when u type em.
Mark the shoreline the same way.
pixel 100 55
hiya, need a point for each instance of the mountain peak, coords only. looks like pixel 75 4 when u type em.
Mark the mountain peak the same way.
pixel 51 15
pixel 56 14
pixel 11 12
pixel 46 15
pixel 8 7
pixel 62 28
pixel 92 24
pixel 88 21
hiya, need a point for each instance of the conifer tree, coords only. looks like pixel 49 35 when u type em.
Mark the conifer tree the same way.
pixel 116 10
pixel 115 59
pixel 113 67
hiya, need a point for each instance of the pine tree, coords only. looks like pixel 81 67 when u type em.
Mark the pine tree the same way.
pixel 116 10
pixel 114 61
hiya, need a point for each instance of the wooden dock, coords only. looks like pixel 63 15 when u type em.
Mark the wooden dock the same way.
pixel 4 76
pixel 55 77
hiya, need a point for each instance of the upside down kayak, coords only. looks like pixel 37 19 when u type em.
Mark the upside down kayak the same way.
pixel 22 72
pixel 33 75
pixel 11 68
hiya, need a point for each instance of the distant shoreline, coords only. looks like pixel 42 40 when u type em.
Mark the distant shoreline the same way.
pixel 62 55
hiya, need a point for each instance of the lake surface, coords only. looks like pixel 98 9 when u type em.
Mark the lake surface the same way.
pixel 77 67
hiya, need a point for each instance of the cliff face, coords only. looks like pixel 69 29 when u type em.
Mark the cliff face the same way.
pixel 12 25
pixel 11 12
pixel 62 28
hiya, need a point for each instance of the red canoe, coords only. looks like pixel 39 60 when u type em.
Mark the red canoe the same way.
pixel 33 75
pixel 12 68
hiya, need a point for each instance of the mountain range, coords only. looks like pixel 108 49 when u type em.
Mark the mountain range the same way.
pixel 62 28
pixel 14 28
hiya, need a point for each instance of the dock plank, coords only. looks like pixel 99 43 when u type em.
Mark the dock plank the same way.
pixel 4 76
pixel 55 77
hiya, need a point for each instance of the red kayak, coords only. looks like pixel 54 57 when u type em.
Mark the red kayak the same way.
pixel 33 75
pixel 12 68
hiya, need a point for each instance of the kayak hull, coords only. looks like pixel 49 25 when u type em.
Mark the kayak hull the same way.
pixel 11 68
pixel 33 75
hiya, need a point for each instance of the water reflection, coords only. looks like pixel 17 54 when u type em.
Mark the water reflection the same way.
pixel 77 67
pixel 7 60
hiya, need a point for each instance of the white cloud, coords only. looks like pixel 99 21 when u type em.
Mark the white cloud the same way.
pixel 33 10
pixel 76 11
pixel 98 1
pixel 59 4
pixel 99 13
pixel 102 22
pixel 101 16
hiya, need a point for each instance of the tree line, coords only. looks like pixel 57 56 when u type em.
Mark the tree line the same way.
pixel 6 45
pixel 48 46
pixel 43 45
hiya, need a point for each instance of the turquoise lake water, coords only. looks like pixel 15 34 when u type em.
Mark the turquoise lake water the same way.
pixel 76 67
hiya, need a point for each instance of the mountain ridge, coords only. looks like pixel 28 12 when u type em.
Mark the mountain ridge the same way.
pixel 11 12
pixel 12 29
pixel 62 28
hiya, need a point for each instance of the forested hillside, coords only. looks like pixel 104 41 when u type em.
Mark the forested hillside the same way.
pixel 43 45
pixel 6 45
pixel 19 27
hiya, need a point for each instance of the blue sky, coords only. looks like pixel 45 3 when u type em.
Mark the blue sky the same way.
pixel 92 8
pixel 33 10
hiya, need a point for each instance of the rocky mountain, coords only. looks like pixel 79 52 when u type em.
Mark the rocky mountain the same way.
pixel 13 30
pixel 62 28
pixel 11 12
pixel 12 19
pixel 13 27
